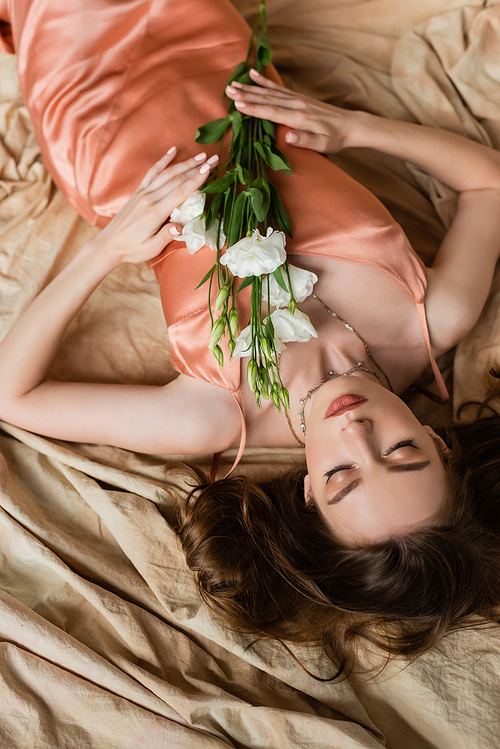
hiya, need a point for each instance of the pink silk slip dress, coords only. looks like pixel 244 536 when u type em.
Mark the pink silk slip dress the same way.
pixel 111 85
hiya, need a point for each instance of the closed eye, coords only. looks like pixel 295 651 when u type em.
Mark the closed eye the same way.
pixel 330 473
pixel 399 445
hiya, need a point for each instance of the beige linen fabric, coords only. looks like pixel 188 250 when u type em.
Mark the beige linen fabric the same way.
pixel 103 640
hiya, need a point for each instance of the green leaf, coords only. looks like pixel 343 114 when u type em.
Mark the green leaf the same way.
pixel 276 161
pixel 269 128
pixel 240 70
pixel 206 277
pixel 252 221
pixel 236 123
pixel 246 282
pixel 243 175
pixel 281 215
pixel 257 200
pixel 228 204
pixel 260 149
pixel 236 219
pixel 264 51
pixel 212 131
pixel 277 152
pixel 263 186
pixel 214 210
pixel 220 185
pixel 279 279
pixel 267 140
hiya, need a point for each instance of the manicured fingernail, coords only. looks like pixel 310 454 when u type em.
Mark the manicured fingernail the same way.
pixel 171 150
pixel 240 104
pixel 237 84
pixel 174 230
pixel 205 168
pixel 291 138
pixel 255 72
pixel 213 160
pixel 200 157
pixel 231 90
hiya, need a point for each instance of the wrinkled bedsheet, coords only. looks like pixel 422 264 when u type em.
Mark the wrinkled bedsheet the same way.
pixel 104 642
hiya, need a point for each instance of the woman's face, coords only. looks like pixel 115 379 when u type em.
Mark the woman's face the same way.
pixel 373 469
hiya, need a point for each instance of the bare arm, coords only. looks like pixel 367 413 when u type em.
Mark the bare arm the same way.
pixel 147 419
pixel 461 275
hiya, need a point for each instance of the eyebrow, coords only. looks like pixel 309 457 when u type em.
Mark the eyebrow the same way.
pixel 401 468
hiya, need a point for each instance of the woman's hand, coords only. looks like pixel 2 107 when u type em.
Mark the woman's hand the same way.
pixel 138 232
pixel 313 124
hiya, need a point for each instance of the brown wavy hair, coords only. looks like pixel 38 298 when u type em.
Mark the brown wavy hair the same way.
pixel 269 565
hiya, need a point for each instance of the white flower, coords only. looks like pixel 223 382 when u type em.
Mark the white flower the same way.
pixel 243 343
pixel 195 235
pixel 255 255
pixel 191 208
pixel 292 327
pixel 302 285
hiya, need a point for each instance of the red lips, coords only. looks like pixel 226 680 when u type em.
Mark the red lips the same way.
pixel 345 403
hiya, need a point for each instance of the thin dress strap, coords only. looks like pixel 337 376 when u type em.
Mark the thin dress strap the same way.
pixel 444 396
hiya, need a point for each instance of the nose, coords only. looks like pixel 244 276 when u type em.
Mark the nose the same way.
pixel 358 436
pixel 353 423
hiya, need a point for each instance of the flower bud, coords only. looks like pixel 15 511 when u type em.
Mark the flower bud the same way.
pixel 266 348
pixel 221 296
pixel 219 355
pixel 231 346
pixel 233 321
pixel 275 395
pixel 252 374
pixel 285 398
pixel 292 306
pixel 264 382
pixel 218 330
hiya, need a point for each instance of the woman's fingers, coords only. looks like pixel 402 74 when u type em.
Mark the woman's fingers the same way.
pixel 254 94
pixel 160 165
pixel 276 104
pixel 175 171
pixel 314 141
pixel 162 239
pixel 263 81
pixel 195 174
pixel 281 115
pixel 176 191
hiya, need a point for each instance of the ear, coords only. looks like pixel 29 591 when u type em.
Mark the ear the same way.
pixel 439 441
pixel 307 489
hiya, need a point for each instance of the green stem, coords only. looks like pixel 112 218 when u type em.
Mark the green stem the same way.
pixel 292 298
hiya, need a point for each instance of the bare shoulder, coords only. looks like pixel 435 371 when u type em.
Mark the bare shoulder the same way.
pixel 204 416
pixel 461 276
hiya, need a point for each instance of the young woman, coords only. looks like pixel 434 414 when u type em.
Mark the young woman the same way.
pixel 382 538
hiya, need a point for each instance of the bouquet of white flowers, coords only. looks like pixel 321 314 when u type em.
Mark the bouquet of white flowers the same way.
pixel 242 202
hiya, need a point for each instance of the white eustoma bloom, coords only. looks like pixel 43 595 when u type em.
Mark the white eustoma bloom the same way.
pixel 290 326
pixel 243 343
pixel 302 285
pixel 190 209
pixel 256 255
pixel 196 236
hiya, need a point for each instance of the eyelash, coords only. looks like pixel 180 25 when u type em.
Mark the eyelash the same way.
pixel 397 446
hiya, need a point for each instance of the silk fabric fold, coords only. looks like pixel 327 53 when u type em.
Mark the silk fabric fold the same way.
pixel 111 86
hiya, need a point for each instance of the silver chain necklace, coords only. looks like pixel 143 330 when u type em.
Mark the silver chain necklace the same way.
pixel 333 375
